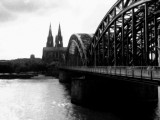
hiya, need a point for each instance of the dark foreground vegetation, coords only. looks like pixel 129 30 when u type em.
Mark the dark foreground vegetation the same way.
pixel 24 65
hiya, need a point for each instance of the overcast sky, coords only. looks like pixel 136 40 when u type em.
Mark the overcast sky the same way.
pixel 24 24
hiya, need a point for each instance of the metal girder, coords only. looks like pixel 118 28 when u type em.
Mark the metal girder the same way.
pixel 76 54
pixel 117 16
pixel 127 37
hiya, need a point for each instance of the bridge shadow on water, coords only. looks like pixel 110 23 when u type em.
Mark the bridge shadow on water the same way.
pixel 116 100
pixel 124 103
pixel 127 109
pixel 133 110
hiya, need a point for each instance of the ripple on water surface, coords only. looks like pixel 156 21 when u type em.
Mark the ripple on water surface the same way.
pixel 42 98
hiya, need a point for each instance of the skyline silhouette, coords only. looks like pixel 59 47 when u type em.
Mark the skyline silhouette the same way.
pixel 24 23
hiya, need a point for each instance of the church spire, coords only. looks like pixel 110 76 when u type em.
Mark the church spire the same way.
pixel 59 30
pixel 50 30
pixel 59 39
pixel 50 38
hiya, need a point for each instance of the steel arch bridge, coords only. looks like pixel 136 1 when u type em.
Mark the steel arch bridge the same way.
pixel 125 47
pixel 76 54
pixel 126 36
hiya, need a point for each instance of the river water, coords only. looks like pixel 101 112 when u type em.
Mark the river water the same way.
pixel 44 98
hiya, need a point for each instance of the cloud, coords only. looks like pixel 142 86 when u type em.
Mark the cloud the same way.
pixel 21 5
pixel 12 9
pixel 6 15
pixel 30 5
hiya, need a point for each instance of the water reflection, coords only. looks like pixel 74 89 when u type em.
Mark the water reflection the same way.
pixel 46 99
pixel 40 99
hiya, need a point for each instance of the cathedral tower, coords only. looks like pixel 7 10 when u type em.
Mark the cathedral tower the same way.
pixel 54 55
pixel 59 39
pixel 50 38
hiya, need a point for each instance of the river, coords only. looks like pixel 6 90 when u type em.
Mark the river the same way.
pixel 44 98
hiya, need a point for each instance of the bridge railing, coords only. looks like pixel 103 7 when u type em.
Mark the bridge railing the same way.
pixel 144 72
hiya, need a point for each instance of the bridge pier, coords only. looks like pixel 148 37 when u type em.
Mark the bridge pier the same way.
pixel 64 77
pixel 91 92
pixel 106 92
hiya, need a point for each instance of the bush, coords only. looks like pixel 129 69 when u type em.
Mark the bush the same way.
pixel 22 65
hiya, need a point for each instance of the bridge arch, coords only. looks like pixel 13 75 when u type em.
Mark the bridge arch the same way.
pixel 127 35
pixel 76 54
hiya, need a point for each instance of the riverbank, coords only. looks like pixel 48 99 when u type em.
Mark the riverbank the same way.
pixel 17 76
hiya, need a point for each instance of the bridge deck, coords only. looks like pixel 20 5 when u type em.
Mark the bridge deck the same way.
pixel 151 74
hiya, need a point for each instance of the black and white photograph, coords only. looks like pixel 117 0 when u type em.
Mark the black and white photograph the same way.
pixel 79 59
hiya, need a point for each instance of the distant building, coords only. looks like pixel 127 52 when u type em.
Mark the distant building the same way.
pixel 32 56
pixel 54 54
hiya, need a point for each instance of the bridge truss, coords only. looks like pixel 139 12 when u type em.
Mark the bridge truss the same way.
pixel 76 51
pixel 126 43
pixel 127 35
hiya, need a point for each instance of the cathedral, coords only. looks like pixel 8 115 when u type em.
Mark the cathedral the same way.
pixel 54 54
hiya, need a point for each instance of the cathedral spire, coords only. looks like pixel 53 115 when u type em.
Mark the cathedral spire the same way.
pixel 50 38
pixel 50 30
pixel 59 39
pixel 59 30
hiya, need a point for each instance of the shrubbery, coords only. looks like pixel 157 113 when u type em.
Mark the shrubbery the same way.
pixel 22 65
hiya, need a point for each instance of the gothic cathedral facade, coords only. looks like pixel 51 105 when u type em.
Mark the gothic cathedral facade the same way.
pixel 54 54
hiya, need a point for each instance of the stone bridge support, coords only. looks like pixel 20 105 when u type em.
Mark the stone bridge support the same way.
pixel 64 76
pixel 99 92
